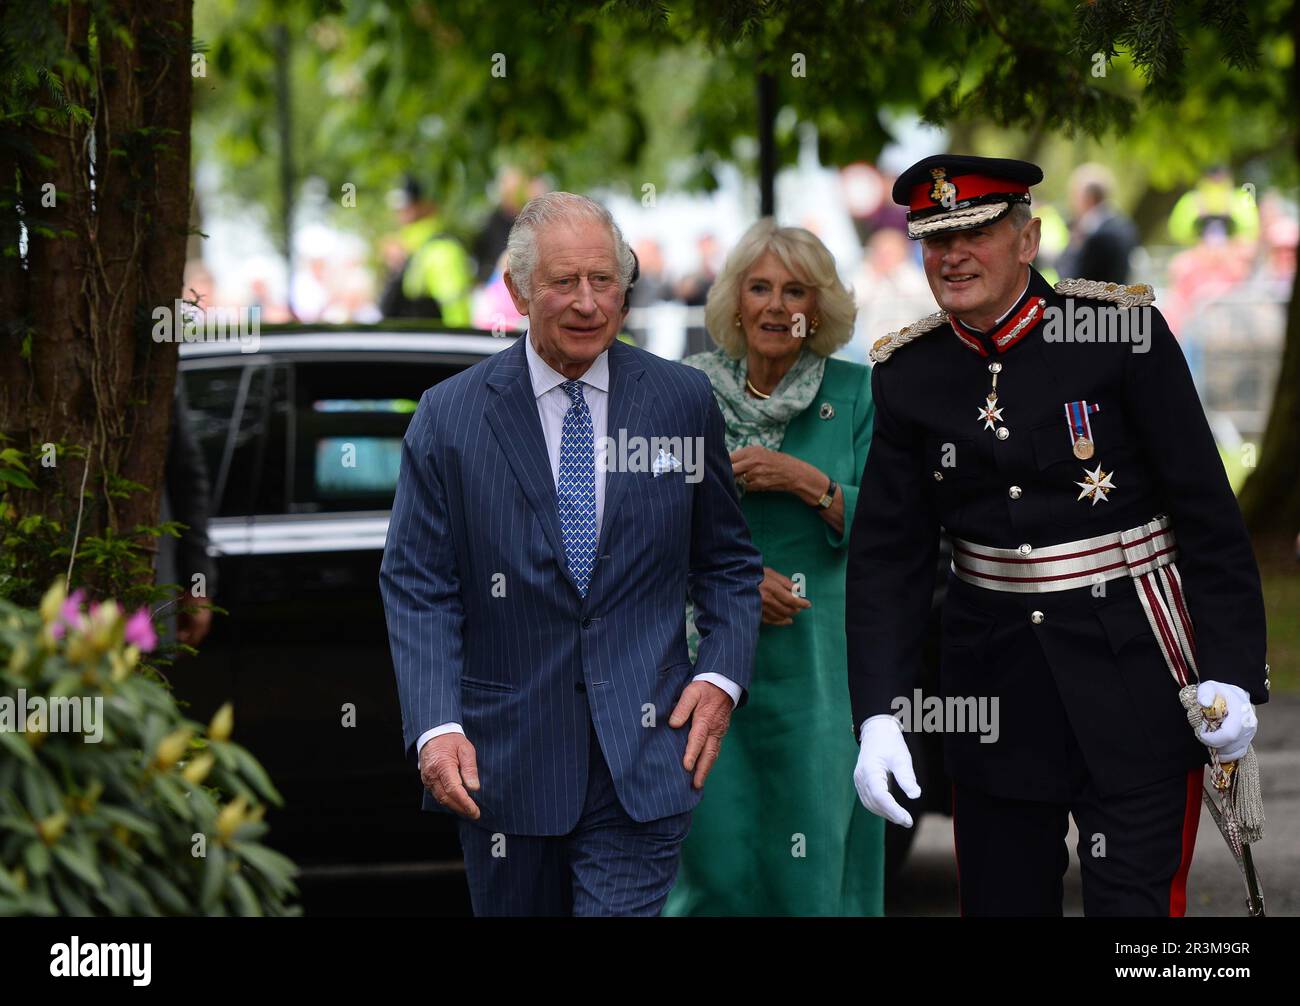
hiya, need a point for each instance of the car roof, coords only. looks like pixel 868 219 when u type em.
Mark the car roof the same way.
pixel 479 344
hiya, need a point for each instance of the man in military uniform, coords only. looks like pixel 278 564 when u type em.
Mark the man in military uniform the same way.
pixel 1063 448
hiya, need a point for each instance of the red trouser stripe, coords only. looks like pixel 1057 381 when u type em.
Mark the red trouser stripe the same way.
pixel 1191 818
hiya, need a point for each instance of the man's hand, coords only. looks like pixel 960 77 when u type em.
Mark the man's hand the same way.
pixel 884 752
pixel 449 767
pixel 193 619
pixel 708 708
pixel 1234 733
pixel 780 602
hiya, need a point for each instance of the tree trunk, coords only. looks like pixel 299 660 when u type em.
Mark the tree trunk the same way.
pixel 79 366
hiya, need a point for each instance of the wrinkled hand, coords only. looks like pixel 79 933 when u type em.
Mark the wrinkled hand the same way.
pixel 884 752
pixel 767 470
pixel 193 619
pixel 449 767
pixel 780 602
pixel 1235 733
pixel 708 708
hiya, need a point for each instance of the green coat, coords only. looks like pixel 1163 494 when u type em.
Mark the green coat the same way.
pixel 780 830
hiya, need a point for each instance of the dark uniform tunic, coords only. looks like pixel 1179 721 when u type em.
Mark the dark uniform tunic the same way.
pixel 1083 690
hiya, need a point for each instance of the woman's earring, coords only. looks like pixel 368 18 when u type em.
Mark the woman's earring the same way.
pixel 737 319
pixel 813 327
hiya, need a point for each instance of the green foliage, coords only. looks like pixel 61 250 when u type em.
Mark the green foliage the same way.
pixel 634 91
pixel 158 816
pixel 38 526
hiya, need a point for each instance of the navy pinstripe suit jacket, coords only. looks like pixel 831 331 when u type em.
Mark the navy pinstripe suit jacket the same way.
pixel 487 629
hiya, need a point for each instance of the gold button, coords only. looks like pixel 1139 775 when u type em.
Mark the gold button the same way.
pixel 1037 617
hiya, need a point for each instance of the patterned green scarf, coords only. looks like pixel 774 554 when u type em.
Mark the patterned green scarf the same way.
pixel 760 421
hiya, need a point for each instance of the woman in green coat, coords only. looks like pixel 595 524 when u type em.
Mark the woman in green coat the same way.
pixel 780 830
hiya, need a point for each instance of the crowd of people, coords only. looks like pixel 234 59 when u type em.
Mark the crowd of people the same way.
pixel 1222 240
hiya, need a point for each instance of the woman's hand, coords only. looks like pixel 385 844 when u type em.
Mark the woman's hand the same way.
pixel 780 602
pixel 762 470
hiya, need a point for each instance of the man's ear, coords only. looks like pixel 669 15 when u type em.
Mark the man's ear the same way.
pixel 520 301
pixel 1029 238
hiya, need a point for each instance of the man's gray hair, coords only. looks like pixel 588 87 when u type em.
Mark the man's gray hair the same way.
pixel 556 207
pixel 1020 215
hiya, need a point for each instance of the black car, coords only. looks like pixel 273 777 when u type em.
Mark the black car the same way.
pixel 302 439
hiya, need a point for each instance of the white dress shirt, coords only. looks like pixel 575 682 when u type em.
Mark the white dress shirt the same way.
pixel 552 404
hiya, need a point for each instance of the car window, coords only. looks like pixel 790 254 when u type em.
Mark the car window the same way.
pixel 348 422
pixel 226 407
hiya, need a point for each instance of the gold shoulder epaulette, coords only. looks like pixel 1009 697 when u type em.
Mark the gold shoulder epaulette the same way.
pixel 884 346
pixel 1135 295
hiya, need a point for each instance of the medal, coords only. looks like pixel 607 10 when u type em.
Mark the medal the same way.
pixel 1082 441
pixel 1095 486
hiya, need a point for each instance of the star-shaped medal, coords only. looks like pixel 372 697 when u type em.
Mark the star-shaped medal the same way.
pixel 990 413
pixel 1098 485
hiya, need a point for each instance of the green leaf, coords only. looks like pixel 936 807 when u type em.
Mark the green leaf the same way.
pixel 81 865
pixel 214 878
pixel 245 901
pixel 37 858
pixel 167 892
pixel 16 478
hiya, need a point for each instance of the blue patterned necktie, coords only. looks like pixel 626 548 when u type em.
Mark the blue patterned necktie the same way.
pixel 576 489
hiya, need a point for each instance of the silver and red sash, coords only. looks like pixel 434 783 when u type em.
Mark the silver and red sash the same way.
pixel 1145 553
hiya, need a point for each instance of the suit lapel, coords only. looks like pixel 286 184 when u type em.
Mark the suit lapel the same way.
pixel 518 429
pixel 626 398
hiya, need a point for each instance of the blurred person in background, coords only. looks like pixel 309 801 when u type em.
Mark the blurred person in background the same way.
pixel 514 188
pixel 436 274
pixel 653 286
pixel 890 288
pixel 1102 238
pixel 184 560
pixel 693 290
pixel 1215 203
pixel 798 425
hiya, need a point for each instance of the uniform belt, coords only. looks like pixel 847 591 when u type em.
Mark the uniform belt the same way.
pixel 1028 570
pixel 1146 553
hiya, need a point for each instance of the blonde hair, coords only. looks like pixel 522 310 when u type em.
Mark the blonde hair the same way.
pixel 803 253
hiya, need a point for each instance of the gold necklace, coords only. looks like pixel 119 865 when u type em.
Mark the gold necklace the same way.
pixel 757 393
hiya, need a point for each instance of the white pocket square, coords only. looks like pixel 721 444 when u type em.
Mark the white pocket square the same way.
pixel 665 462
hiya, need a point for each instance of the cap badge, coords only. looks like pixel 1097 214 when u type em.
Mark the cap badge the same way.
pixel 943 191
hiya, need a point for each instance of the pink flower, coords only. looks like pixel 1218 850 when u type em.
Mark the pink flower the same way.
pixel 139 631
pixel 70 616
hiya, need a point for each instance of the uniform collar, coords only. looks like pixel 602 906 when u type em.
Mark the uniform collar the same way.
pixel 545 377
pixel 1018 321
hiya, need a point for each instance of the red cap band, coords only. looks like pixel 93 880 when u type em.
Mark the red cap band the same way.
pixel 928 195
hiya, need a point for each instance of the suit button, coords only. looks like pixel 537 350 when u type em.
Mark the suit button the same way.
pixel 1025 549
pixel 586 623
pixel 938 476
pixel 1014 492
pixel 580 687
pixel 1002 433
pixel 1037 618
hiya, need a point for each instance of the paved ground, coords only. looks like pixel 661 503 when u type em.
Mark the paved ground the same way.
pixel 927 884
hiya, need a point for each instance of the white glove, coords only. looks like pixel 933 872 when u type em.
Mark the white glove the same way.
pixel 884 752
pixel 1239 725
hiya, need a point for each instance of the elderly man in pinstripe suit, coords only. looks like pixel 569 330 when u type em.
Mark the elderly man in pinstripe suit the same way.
pixel 534 582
